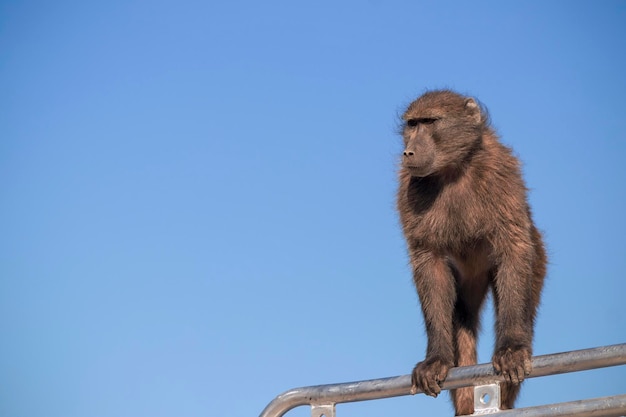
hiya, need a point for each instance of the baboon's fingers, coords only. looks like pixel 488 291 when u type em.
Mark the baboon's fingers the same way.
pixel 513 364
pixel 429 375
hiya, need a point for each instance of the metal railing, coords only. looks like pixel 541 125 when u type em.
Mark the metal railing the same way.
pixel 322 398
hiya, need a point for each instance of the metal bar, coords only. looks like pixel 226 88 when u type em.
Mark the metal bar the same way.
pixel 557 363
pixel 605 407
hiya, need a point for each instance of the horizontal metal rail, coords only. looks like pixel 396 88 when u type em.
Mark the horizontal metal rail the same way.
pixel 325 397
pixel 605 406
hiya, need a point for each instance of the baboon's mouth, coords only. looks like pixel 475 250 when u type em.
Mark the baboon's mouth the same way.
pixel 417 171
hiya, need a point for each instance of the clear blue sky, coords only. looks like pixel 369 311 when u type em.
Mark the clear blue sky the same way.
pixel 197 198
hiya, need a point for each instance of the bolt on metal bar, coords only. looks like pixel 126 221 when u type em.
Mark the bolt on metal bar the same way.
pixel 483 374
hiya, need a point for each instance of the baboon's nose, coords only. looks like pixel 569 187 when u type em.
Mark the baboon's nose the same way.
pixel 409 153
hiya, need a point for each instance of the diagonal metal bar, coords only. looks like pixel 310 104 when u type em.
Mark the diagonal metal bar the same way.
pixel 552 364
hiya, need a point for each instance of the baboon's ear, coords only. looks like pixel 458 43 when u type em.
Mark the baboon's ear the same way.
pixel 473 109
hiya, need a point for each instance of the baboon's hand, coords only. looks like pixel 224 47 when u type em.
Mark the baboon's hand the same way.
pixel 428 376
pixel 513 363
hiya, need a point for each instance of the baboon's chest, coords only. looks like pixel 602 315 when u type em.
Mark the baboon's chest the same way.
pixel 447 221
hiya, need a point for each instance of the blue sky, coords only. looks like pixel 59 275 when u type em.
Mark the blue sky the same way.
pixel 197 198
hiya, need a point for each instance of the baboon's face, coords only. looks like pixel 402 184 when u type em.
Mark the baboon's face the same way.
pixel 420 152
pixel 440 129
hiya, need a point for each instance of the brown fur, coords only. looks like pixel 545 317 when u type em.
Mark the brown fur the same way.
pixel 463 207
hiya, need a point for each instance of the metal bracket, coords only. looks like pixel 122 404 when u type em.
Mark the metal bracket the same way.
pixel 486 399
pixel 322 410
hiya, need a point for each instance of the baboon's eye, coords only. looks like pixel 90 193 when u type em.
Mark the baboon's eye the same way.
pixel 421 120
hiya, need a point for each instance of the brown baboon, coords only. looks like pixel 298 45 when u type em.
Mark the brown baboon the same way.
pixel 467 223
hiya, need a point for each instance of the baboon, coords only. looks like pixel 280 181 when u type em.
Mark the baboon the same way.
pixel 468 226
